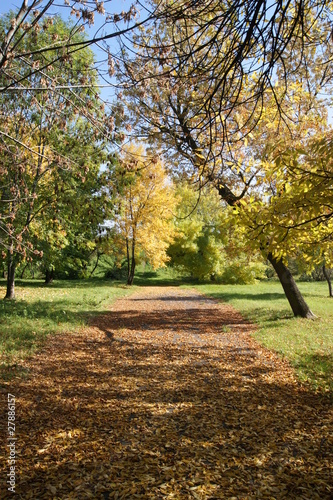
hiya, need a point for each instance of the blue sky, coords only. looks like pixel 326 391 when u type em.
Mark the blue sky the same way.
pixel 112 6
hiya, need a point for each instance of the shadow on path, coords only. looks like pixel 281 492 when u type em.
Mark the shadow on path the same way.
pixel 127 410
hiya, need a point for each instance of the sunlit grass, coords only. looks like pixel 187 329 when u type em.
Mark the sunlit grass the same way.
pixel 308 344
pixel 41 310
pixel 64 306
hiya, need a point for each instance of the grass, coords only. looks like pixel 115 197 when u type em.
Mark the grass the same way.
pixel 162 277
pixel 41 310
pixel 308 344
pixel 66 305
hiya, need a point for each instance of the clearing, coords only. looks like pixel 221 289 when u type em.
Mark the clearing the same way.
pixel 165 396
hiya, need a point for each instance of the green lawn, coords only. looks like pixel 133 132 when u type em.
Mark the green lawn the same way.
pixel 308 344
pixel 40 310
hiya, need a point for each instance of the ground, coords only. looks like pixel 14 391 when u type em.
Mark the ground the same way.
pixel 165 396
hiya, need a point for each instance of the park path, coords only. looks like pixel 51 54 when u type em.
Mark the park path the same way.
pixel 167 396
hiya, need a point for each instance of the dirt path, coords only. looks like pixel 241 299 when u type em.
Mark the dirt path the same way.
pixel 166 396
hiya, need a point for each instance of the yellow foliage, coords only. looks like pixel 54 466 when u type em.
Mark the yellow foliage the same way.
pixel 146 206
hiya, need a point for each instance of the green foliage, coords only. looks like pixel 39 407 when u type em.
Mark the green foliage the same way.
pixel 51 156
pixel 207 245
pixel 197 249
pixel 243 272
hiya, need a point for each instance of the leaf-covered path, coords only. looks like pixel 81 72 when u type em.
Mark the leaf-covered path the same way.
pixel 167 396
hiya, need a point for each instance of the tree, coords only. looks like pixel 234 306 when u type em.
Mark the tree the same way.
pixel 142 215
pixel 294 213
pixel 207 244
pixel 292 209
pixel 215 140
pixel 232 46
pixel 46 70
pixel 33 16
pixel 67 232
pixel 44 151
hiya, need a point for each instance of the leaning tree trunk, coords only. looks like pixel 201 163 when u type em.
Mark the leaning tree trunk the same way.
pixel 96 264
pixel 10 294
pixel 294 296
pixel 328 279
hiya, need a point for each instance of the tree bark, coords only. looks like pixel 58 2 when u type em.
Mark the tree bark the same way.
pixel 328 279
pixel 294 296
pixel 96 264
pixel 49 276
pixel 130 276
pixel 128 259
pixel 132 272
pixel 24 269
pixel 10 293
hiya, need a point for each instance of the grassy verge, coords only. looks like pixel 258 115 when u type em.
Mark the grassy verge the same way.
pixel 41 310
pixel 162 277
pixel 308 344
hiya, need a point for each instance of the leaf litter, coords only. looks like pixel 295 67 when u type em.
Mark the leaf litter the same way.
pixel 167 396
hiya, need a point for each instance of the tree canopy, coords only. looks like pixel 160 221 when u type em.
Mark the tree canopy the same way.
pixel 230 124
pixel 234 94
pixel 47 148
pixel 142 201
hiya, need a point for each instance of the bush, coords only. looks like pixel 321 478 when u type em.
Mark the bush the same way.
pixel 116 273
pixel 242 273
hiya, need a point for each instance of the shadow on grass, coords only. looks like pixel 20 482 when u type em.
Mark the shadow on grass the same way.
pixel 230 296
pixel 42 309
pixel 67 284
pixel 269 317
pixel 261 315
pixel 25 326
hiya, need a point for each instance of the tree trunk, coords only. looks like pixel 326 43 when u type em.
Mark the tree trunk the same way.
pixel 10 294
pixel 294 296
pixel 49 276
pixel 131 266
pixel 132 271
pixel 328 279
pixel 128 259
pixel 96 264
pixel 24 269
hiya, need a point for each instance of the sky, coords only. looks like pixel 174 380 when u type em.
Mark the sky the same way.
pixel 112 6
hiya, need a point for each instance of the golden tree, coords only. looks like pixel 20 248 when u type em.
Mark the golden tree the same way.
pixel 143 203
